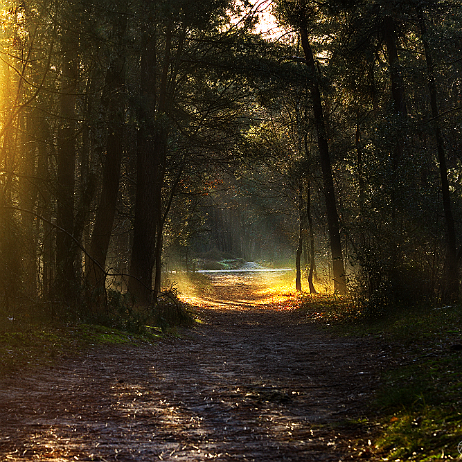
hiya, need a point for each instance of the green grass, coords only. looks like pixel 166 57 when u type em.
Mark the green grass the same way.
pixel 33 347
pixel 36 346
pixel 421 405
pixel 418 408
pixel 38 334
pixel 429 433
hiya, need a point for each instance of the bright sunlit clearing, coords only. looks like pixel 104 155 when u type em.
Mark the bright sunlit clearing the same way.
pixel 270 290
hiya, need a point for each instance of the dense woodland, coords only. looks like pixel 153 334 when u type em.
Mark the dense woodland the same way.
pixel 136 137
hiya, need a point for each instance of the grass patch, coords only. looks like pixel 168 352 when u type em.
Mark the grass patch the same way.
pixel 330 310
pixel 39 334
pixel 418 408
pixel 39 346
pixel 428 433
pixel 95 334
pixel 33 347
pixel 420 405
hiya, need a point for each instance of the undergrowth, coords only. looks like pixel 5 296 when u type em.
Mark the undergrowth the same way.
pixel 37 335
pixel 418 408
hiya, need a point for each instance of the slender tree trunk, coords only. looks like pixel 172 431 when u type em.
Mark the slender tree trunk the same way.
pixel 397 82
pixel 65 247
pixel 28 194
pixel 309 219
pixel 114 102
pixel 451 290
pixel 44 202
pixel 360 162
pixel 329 190
pixel 312 262
pixel 298 254
pixel 400 111
pixel 399 105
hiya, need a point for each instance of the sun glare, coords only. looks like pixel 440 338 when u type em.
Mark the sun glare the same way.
pixel 266 25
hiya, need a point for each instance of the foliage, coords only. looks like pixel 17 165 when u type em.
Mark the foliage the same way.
pixel 330 309
pixel 218 150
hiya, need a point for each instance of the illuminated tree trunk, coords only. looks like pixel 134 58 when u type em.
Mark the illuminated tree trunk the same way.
pixel 301 232
pixel 323 147
pixel 312 263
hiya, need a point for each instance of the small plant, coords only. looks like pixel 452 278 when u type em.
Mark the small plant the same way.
pixel 170 312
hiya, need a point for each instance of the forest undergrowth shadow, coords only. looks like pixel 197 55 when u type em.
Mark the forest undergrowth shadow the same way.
pixel 417 406
pixel 37 332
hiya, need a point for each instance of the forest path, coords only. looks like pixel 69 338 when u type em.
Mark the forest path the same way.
pixel 250 384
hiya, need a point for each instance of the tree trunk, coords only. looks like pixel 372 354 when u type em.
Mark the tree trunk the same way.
pixel 298 254
pixel 44 206
pixel 399 109
pixel 114 102
pixel 312 263
pixel 66 156
pixel 309 219
pixel 329 191
pixel 397 82
pixel 28 194
pixel 451 276
pixel 144 237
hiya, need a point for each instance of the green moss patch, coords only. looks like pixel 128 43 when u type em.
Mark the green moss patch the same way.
pixel 418 408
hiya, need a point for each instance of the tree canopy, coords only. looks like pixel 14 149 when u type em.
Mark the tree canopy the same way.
pixel 138 138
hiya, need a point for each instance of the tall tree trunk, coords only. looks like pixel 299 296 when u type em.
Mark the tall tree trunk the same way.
pixel 400 111
pixel 28 194
pixel 399 108
pixel 309 218
pixel 323 147
pixel 66 156
pixel 451 276
pixel 312 262
pixel 301 232
pixel 44 205
pixel 151 166
pixel 113 100
pixel 144 235
pixel 397 82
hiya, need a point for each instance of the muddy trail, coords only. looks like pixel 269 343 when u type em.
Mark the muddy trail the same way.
pixel 253 382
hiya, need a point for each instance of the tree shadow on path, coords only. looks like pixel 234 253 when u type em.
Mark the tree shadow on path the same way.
pixel 246 384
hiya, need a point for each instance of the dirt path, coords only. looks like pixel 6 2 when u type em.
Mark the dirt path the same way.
pixel 248 384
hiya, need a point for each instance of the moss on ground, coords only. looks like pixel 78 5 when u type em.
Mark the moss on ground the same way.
pixel 418 408
pixel 35 346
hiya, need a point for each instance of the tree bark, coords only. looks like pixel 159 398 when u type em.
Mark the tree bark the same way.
pixel 144 234
pixel 312 262
pixel 298 254
pixel 451 284
pixel 397 82
pixel 66 156
pixel 113 100
pixel 323 147
pixel 151 164
pixel 399 109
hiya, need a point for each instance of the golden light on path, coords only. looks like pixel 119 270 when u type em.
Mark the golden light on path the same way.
pixel 246 290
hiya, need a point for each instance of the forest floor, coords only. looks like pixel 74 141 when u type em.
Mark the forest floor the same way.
pixel 252 381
